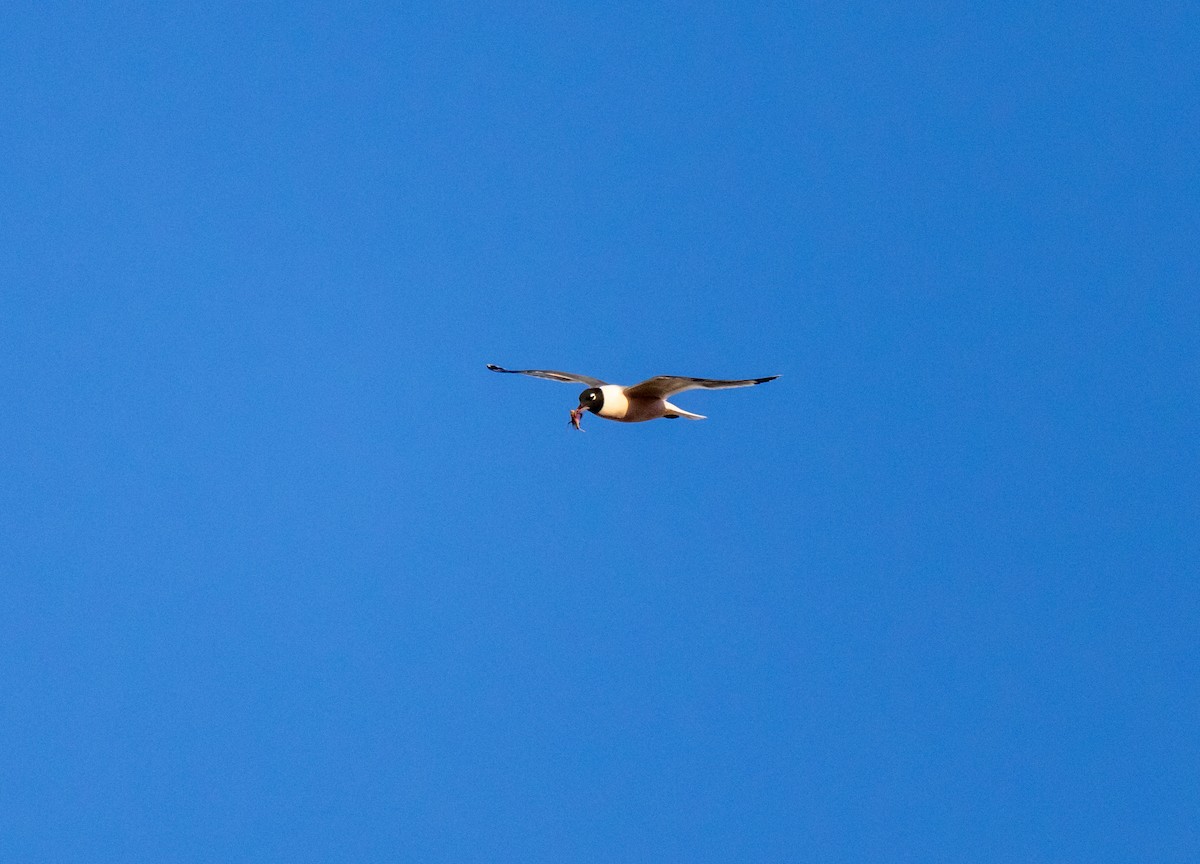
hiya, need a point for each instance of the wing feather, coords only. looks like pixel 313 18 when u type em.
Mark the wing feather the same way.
pixel 662 386
pixel 551 375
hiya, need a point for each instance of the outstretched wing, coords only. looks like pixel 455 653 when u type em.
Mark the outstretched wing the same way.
pixel 662 386
pixel 550 374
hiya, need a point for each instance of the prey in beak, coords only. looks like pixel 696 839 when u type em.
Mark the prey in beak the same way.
pixel 591 399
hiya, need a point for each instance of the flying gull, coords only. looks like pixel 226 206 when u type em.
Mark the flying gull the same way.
pixel 644 401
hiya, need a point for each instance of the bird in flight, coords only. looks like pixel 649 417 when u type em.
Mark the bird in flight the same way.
pixel 644 401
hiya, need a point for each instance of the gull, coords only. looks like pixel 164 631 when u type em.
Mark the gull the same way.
pixel 644 401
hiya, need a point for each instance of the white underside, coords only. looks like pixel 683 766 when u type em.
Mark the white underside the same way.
pixel 615 405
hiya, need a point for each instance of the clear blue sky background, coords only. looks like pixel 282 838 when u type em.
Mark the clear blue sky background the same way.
pixel 287 575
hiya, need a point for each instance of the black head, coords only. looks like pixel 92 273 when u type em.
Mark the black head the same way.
pixel 592 399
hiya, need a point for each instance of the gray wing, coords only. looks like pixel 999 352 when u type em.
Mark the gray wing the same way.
pixel 662 386
pixel 550 374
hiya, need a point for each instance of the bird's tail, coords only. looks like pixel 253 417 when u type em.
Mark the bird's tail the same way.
pixel 674 411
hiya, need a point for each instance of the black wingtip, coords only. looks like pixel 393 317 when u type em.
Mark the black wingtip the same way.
pixel 765 380
pixel 495 368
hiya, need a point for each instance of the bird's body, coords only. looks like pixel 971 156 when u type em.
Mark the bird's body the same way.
pixel 644 401
pixel 617 404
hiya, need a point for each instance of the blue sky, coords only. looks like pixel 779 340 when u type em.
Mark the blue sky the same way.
pixel 287 575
